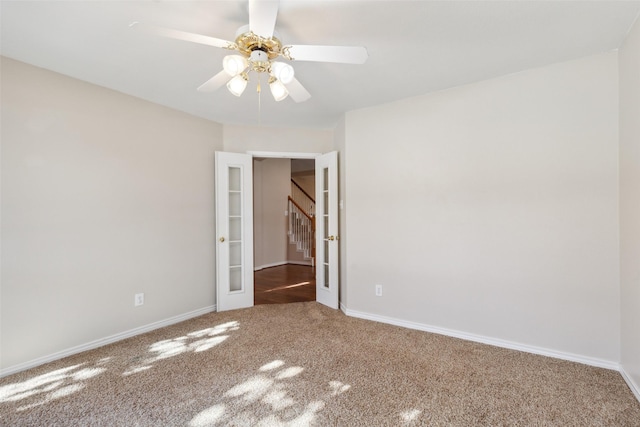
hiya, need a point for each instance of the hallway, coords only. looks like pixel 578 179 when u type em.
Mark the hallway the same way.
pixel 284 284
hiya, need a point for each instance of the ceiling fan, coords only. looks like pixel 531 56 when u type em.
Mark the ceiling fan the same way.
pixel 257 47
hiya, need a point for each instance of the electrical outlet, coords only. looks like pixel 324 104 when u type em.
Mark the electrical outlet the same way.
pixel 378 290
pixel 138 299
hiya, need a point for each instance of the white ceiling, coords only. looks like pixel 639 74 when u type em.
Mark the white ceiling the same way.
pixel 415 47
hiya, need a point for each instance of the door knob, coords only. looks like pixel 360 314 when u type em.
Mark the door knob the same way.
pixel 331 238
pixel 221 239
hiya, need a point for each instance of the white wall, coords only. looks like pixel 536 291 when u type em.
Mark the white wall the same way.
pixel 630 205
pixel 240 139
pixel 271 186
pixel 103 196
pixel 492 209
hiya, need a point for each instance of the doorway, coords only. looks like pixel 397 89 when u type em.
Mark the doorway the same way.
pixel 235 235
pixel 284 237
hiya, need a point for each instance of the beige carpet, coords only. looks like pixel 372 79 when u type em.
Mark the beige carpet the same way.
pixel 303 364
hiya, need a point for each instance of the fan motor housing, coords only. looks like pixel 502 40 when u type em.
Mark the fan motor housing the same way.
pixel 248 42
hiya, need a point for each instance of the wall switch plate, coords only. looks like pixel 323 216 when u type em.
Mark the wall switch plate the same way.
pixel 138 299
pixel 378 290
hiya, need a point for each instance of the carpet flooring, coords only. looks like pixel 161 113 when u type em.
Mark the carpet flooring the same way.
pixel 303 364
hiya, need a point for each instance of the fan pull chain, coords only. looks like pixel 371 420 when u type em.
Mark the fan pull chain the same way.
pixel 259 89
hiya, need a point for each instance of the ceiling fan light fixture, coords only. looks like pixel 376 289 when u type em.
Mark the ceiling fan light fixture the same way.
pixel 282 71
pixel 238 84
pixel 278 90
pixel 234 64
pixel 257 46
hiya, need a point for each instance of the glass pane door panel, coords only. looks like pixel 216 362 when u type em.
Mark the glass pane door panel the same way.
pixel 235 254
pixel 235 229
pixel 326 201
pixel 326 226
pixel 235 178
pixel 325 283
pixel 235 203
pixel 235 279
pixel 325 220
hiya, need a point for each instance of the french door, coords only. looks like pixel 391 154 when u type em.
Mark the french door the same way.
pixel 327 229
pixel 234 228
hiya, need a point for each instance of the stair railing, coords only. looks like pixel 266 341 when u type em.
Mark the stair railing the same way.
pixel 303 199
pixel 301 229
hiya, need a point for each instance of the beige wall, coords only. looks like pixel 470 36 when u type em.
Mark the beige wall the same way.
pixel 240 139
pixel 103 196
pixel 271 186
pixel 306 181
pixel 492 209
pixel 630 205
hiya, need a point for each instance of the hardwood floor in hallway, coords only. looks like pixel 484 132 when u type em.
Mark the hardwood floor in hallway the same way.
pixel 284 284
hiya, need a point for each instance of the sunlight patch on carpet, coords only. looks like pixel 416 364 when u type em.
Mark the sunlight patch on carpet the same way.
pixel 196 341
pixel 219 329
pixel 17 391
pixel 410 415
pixel 278 399
pixel 289 372
pixel 252 389
pixel 50 386
pixel 66 390
pixel 271 365
pixel 208 417
pixel 85 374
pixel 272 394
pixel 338 387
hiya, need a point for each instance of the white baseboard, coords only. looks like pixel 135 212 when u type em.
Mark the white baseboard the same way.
pixel 487 340
pixel 635 388
pixel 278 264
pixel 307 263
pixel 104 341
pixel 274 264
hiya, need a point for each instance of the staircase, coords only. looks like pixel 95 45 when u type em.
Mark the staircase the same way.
pixel 301 208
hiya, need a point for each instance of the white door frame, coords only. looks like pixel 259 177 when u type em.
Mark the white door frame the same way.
pixel 241 300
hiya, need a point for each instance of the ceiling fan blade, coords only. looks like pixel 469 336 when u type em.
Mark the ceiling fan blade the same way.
pixel 262 17
pixel 340 54
pixel 297 92
pixel 215 82
pixel 179 35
